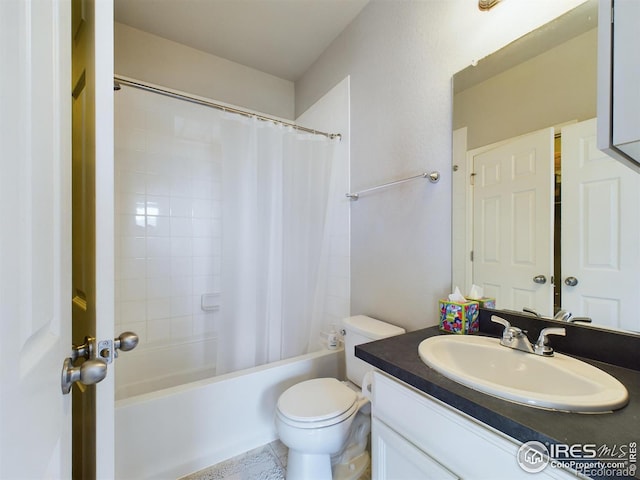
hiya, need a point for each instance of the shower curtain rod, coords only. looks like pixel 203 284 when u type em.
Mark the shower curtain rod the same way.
pixel 180 96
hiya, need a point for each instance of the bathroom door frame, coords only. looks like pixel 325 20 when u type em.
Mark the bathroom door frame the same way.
pixel 98 132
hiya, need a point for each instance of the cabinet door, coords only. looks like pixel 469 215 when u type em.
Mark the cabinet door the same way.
pixel 396 458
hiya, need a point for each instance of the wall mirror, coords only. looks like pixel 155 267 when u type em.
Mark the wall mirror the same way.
pixel 543 220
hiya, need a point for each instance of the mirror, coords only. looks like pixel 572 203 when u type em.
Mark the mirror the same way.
pixel 543 85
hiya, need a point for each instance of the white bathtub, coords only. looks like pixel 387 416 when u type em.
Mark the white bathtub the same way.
pixel 173 432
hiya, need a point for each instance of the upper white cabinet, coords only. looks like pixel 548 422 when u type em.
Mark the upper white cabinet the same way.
pixel 618 80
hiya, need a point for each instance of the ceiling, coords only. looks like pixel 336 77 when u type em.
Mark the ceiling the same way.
pixel 279 37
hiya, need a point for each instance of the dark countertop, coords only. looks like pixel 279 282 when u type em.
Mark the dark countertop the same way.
pixel 398 357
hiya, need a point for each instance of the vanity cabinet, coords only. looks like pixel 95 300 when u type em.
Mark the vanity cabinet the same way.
pixel 415 436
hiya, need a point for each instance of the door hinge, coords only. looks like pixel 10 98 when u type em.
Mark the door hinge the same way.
pixel 472 179
pixel 471 255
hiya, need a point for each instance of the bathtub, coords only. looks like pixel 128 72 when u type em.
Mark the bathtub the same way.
pixel 176 431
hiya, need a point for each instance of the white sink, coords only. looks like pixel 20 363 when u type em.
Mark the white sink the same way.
pixel 558 382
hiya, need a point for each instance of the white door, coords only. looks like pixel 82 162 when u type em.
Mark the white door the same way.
pixel 35 235
pixel 600 232
pixel 513 222
pixel 35 238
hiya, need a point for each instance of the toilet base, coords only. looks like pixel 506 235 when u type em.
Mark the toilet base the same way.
pixel 303 466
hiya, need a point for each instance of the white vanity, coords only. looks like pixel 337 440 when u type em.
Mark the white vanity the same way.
pixel 427 426
pixel 415 436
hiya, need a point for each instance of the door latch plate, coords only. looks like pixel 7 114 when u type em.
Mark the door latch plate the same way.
pixel 105 351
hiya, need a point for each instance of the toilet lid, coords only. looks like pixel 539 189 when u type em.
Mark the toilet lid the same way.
pixel 316 400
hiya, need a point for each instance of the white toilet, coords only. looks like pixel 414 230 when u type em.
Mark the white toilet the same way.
pixel 326 422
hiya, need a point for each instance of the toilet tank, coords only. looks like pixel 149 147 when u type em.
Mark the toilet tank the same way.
pixel 362 329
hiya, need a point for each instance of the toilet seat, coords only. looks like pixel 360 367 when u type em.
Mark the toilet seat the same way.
pixel 317 403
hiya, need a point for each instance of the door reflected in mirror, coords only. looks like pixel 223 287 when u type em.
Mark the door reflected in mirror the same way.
pixel 542 219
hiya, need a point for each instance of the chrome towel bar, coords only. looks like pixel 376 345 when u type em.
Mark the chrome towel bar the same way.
pixel 433 177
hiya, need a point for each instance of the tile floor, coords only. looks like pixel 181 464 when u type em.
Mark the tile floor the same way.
pixel 268 462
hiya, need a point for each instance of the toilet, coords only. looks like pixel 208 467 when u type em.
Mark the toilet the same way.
pixel 326 422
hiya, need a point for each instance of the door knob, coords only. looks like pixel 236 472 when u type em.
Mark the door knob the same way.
pixel 126 341
pixel 98 355
pixel 540 279
pixel 571 281
pixel 89 373
pixel 108 349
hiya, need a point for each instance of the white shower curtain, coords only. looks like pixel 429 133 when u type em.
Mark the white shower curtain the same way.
pixel 276 184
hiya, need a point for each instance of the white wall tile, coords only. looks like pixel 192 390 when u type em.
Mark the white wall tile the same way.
pixel 158 226
pixel 181 227
pixel 182 206
pixel 182 286
pixel 181 246
pixel 181 266
pixel 132 247
pixel 132 289
pixel 204 323
pixel 131 182
pixel 158 267
pixel 130 268
pixel 181 306
pixel 158 247
pixel 181 186
pixel 158 205
pixel 159 331
pixel 160 163
pixel 158 184
pixel 158 287
pixel 158 308
pixel 205 247
pixel 133 311
pixel 205 284
pixel 181 327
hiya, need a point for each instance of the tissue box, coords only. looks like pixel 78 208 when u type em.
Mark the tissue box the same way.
pixel 487 302
pixel 459 317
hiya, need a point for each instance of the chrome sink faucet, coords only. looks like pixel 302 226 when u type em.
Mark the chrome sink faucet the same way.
pixel 516 338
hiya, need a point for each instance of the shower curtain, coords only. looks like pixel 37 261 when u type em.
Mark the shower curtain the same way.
pixel 276 184
pixel 222 249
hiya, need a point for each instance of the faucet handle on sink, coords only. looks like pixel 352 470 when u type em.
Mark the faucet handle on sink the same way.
pixel 500 320
pixel 541 347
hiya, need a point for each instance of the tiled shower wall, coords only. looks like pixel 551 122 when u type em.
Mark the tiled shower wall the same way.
pixel 168 238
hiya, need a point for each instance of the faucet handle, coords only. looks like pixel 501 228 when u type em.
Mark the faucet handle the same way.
pixel 531 311
pixel 500 320
pixel 541 347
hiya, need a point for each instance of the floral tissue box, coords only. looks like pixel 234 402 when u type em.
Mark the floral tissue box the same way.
pixel 459 317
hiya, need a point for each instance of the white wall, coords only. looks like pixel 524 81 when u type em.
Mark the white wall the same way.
pixel 142 56
pixel 400 57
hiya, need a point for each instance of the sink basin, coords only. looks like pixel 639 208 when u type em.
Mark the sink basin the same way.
pixel 558 382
